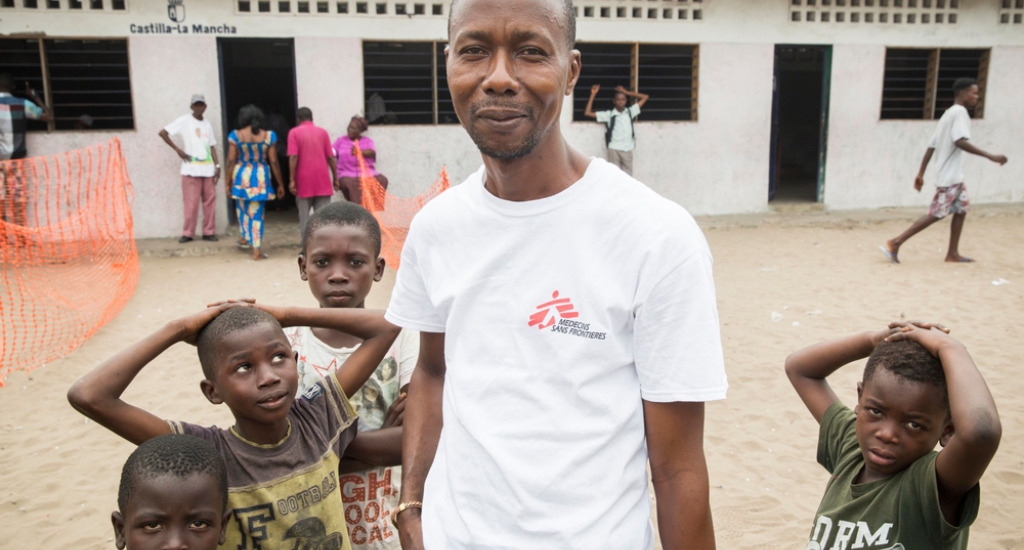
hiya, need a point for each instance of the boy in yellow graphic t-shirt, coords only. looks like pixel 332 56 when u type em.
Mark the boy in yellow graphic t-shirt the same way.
pixel 282 454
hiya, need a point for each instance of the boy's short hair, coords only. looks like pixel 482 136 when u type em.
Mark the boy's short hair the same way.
pixel 231 321
pixel 181 456
pixel 909 361
pixel 962 84
pixel 340 214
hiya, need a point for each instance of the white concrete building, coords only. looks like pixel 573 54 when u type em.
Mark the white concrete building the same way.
pixel 856 85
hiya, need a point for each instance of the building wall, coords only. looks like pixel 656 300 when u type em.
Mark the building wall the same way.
pixel 718 164
pixel 872 163
pixel 165 72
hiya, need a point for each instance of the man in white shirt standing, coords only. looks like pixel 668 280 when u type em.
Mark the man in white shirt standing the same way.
pixel 200 168
pixel 950 140
pixel 619 136
pixel 569 329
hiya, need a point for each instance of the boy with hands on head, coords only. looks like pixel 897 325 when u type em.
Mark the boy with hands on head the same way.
pixel 889 488
pixel 282 454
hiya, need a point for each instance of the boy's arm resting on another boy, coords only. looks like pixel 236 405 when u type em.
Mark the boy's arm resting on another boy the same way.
pixel 679 473
pixel 807 368
pixel 966 145
pixel 976 426
pixel 421 433
pixel 97 395
pixel 381 447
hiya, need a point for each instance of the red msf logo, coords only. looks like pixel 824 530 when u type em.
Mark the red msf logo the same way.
pixel 544 317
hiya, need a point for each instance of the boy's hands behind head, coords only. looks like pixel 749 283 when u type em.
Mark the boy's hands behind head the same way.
pixel 932 336
pixel 190 327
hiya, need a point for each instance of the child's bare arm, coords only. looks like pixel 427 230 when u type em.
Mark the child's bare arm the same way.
pixel 808 368
pixel 98 393
pixel 377 335
pixel 381 447
pixel 977 429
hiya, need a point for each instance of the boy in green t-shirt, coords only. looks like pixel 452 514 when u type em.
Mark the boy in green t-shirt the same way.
pixel 889 489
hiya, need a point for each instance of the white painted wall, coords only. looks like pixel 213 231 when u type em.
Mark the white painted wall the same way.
pixel 716 165
pixel 165 72
pixel 872 163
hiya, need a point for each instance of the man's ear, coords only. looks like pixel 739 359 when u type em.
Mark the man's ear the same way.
pixel 224 526
pixel 379 273
pixel 302 267
pixel 118 521
pixel 210 391
pixel 575 66
pixel 860 391
pixel 947 432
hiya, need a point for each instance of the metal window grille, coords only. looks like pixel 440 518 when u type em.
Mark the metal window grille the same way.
pixel 76 78
pixel 410 79
pixel 918 83
pixel 666 72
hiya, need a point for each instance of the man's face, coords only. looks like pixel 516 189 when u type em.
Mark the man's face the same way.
pixel 970 96
pixel 509 67
pixel 619 101
pixel 198 109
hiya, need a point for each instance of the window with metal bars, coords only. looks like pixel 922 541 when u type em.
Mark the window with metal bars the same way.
pixel 406 83
pixel 86 82
pixel 918 83
pixel 666 72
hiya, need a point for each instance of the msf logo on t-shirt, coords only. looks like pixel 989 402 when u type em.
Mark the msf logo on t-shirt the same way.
pixel 558 315
pixel 850 536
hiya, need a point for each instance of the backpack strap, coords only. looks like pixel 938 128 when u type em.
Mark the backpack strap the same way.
pixel 608 132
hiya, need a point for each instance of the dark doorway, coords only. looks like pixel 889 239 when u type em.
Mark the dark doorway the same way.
pixel 799 123
pixel 260 71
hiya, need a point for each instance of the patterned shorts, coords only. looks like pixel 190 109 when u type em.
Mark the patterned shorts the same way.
pixel 950 200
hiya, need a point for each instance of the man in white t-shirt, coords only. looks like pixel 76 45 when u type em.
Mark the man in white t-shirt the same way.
pixel 950 140
pixel 619 136
pixel 569 329
pixel 200 168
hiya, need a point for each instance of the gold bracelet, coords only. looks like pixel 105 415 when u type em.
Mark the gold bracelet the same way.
pixel 403 507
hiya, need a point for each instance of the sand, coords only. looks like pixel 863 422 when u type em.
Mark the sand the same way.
pixel 59 474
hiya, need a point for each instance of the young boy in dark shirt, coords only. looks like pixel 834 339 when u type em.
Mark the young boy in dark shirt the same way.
pixel 889 489
pixel 173 494
pixel 282 454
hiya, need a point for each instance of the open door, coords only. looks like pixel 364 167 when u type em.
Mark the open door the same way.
pixel 261 72
pixel 799 123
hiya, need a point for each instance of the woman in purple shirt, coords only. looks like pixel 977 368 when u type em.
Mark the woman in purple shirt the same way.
pixel 348 166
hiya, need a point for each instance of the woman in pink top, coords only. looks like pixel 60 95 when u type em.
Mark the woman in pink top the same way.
pixel 348 166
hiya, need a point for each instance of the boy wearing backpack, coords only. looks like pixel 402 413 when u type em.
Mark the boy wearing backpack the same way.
pixel 619 136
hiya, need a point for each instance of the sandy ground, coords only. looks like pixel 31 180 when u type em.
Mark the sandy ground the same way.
pixel 59 474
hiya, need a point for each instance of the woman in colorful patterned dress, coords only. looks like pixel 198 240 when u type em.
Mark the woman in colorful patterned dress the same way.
pixel 247 175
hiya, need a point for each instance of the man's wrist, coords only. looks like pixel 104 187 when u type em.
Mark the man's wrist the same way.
pixel 406 511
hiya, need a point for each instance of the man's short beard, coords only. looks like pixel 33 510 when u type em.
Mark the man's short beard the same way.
pixel 506 151
pixel 521 149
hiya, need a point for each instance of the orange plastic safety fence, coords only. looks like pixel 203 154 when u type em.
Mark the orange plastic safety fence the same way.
pixel 68 263
pixel 394 214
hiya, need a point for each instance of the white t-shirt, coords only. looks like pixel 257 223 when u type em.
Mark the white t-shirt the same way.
pixel 622 133
pixel 954 125
pixel 197 138
pixel 370 495
pixel 561 315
